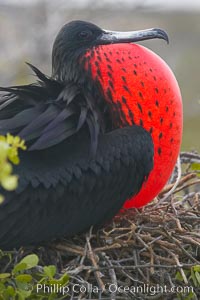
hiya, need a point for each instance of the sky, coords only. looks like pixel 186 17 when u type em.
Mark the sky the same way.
pixel 171 4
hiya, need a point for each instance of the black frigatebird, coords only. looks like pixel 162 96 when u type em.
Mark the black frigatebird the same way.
pixel 83 159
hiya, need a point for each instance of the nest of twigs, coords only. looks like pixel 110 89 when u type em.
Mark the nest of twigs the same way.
pixel 156 246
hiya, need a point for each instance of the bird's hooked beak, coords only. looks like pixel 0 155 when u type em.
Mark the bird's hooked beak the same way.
pixel 116 37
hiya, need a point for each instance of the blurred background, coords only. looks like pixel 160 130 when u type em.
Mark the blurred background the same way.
pixel 28 29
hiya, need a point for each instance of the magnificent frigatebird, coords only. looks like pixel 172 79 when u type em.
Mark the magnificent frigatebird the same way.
pixel 89 148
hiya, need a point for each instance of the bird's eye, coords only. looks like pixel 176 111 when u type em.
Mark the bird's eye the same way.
pixel 85 34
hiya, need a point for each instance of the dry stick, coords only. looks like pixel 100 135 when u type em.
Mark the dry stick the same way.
pixel 128 234
pixel 110 247
pixel 197 197
pixel 195 234
pixel 84 256
pixel 182 180
pixel 158 238
pixel 187 185
pixel 163 243
pixel 154 297
pixel 158 257
pixel 92 258
pixel 152 254
pixel 186 197
pixel 144 266
pixel 80 296
pixel 153 230
pixel 191 240
pixel 178 223
pixel 152 257
pixel 78 270
pixel 180 267
pixel 151 242
pixel 107 233
pixel 112 275
pixel 170 280
pixel 139 238
pixel 137 266
pixel 127 274
pixel 70 248
pixel 174 186
pixel 178 243
pixel 188 157
pixel 173 207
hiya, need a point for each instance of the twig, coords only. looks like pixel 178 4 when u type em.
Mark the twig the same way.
pixel 187 185
pixel 92 258
pixel 112 275
pixel 70 248
pixel 180 267
pixel 184 179
pixel 175 184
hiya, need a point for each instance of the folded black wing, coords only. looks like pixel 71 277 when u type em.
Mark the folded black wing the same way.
pixel 63 192
pixel 47 112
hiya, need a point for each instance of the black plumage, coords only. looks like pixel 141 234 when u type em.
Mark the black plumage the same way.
pixel 79 169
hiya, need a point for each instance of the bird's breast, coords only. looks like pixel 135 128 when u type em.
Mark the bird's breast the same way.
pixel 141 89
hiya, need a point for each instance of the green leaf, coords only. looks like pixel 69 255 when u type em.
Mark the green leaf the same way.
pixel 24 287
pixel 190 296
pixel 10 291
pixel 196 268
pixel 197 275
pixel 31 260
pixel 1 199
pixel 52 282
pixel 4 275
pixel 28 262
pixel 2 286
pixel 179 276
pixel 64 279
pixel 26 278
pixel 19 267
pixel 196 167
pixel 61 281
pixel 23 295
pixel 50 271
pixel 193 277
pixel 9 146
pixel 9 182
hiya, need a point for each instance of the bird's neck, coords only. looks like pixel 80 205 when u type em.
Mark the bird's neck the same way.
pixel 79 69
pixel 103 96
pixel 72 69
pixel 65 68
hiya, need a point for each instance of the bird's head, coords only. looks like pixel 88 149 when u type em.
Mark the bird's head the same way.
pixel 76 37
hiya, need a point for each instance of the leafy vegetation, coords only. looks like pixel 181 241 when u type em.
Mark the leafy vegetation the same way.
pixel 9 146
pixel 193 278
pixel 196 167
pixel 27 280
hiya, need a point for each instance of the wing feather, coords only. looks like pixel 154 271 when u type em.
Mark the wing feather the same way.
pixel 67 195
pixel 47 112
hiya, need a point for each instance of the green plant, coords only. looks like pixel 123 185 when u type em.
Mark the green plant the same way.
pixel 22 282
pixel 193 278
pixel 9 146
pixel 196 167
